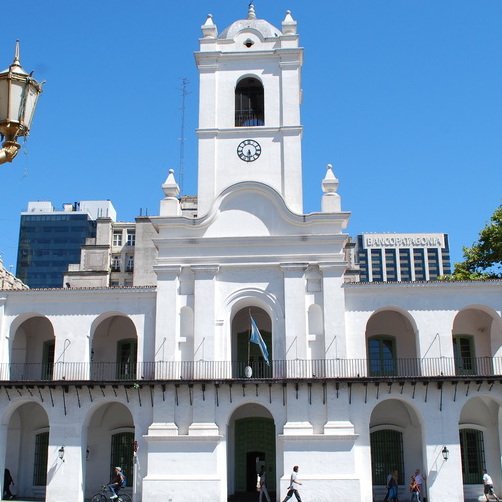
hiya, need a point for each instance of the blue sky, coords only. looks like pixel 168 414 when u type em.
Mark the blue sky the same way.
pixel 403 97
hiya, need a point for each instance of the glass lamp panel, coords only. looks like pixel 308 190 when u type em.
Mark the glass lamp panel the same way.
pixel 4 99
pixel 30 105
pixel 16 94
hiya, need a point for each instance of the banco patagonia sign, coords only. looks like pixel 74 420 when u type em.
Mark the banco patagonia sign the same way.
pixel 380 241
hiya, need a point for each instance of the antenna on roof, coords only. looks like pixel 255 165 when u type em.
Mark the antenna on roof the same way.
pixel 184 93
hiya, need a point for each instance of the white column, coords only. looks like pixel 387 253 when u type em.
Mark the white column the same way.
pixel 295 312
pixel 441 430
pixel 334 311
pixel 204 311
pixel 167 326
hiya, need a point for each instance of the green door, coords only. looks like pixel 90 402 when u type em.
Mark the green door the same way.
pixel 254 443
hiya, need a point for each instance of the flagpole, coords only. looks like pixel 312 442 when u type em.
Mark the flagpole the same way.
pixel 249 337
pixel 248 372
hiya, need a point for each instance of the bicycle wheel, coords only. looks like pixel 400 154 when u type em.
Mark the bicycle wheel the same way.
pixel 125 497
pixel 99 497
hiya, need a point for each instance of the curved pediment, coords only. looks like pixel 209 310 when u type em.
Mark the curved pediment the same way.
pixel 248 209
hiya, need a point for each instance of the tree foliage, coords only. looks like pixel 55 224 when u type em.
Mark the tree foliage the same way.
pixel 484 259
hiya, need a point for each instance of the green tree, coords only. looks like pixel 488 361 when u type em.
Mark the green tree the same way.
pixel 484 259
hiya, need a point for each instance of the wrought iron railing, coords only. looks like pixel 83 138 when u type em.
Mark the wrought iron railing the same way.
pixel 248 119
pixel 222 370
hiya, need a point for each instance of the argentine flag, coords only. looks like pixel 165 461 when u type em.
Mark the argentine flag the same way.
pixel 256 338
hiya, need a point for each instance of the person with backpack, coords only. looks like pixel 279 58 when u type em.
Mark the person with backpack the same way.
pixel 118 481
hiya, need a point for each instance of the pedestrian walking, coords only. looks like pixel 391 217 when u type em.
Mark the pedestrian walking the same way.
pixel 293 481
pixel 7 481
pixel 488 486
pixel 262 476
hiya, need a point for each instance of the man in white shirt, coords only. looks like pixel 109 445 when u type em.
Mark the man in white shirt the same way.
pixel 294 481
pixel 488 486
pixel 419 480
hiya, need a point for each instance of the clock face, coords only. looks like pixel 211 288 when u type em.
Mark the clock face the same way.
pixel 249 150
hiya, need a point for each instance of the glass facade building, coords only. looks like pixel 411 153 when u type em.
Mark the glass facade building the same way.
pixel 48 243
pixel 50 240
pixel 402 257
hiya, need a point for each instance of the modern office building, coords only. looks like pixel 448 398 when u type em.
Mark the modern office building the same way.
pixel 402 257
pixel 49 240
pixel 348 380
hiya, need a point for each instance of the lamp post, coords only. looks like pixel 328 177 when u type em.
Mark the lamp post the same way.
pixel 18 99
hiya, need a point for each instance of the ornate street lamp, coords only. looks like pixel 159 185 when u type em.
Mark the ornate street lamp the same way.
pixel 445 452
pixel 18 99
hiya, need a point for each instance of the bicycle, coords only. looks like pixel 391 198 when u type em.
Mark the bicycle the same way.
pixel 102 496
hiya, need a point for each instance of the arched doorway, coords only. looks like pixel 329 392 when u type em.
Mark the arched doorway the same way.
pixel 245 353
pixel 114 349
pixel 27 449
pixel 252 444
pixel 396 443
pixel 110 443
pixel 480 440
pixel 32 353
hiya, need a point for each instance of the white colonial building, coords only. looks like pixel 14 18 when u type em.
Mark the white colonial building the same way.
pixel 364 378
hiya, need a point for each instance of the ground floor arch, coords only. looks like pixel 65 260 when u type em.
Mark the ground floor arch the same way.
pixel 110 443
pixel 251 445
pixel 480 442
pixel 27 440
pixel 395 442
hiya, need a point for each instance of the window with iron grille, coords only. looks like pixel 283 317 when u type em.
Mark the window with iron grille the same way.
pixel 40 461
pixel 472 451
pixel 123 455
pixel 386 455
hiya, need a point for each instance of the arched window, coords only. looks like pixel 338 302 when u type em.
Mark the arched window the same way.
pixel 386 455
pixel 382 356
pixel 249 103
pixel 472 452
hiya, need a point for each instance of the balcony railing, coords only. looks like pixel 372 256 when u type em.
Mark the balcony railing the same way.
pixel 225 370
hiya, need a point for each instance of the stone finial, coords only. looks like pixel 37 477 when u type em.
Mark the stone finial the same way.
pixel 331 201
pixel 170 206
pixel 289 25
pixel 209 29
pixel 330 181
pixel 251 12
pixel 170 187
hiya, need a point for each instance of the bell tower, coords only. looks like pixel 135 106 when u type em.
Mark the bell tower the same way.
pixel 249 108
